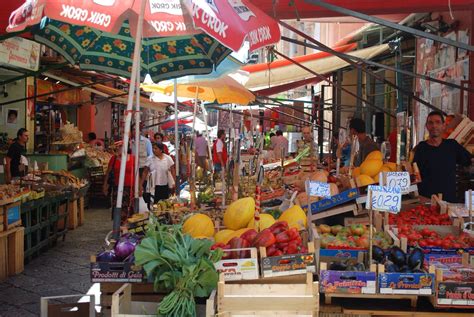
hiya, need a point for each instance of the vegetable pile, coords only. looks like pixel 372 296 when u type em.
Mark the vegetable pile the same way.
pixel 278 239
pixel 426 238
pixel 395 260
pixel 420 215
pixel 178 264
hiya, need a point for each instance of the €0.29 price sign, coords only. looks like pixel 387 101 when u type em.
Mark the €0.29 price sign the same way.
pixel 399 179
pixel 385 198
pixel 320 189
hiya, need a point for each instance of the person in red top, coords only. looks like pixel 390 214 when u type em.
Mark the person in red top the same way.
pixel 219 152
pixel 111 181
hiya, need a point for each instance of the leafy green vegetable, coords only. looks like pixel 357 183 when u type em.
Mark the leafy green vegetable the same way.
pixel 178 264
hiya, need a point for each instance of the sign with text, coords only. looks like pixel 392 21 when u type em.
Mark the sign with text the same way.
pixel 398 179
pixel 466 197
pixel 20 52
pixel 320 189
pixel 385 198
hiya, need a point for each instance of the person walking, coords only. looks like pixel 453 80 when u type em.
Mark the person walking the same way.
pixel 201 151
pixel 13 165
pixel 219 152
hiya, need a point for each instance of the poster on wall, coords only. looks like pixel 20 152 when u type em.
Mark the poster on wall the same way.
pixel 11 117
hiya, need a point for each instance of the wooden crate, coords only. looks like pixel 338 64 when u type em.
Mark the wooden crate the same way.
pixel 11 252
pixel 139 292
pixel 80 211
pixel 123 305
pixel 1 219
pixel 59 306
pixel 281 296
pixel 73 219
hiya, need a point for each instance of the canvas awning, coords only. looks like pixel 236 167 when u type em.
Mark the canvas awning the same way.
pixel 268 76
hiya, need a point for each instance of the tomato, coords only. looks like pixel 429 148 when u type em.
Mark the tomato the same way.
pixel 446 244
pixel 422 243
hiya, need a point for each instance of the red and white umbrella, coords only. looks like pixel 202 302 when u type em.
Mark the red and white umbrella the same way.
pixel 231 22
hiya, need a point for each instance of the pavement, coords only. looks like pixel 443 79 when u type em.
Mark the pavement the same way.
pixel 62 270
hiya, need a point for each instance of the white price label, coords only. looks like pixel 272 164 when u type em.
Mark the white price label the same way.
pixel 385 198
pixel 399 179
pixel 466 198
pixel 320 189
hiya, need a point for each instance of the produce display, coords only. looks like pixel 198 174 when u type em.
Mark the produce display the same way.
pixel 9 193
pixel 420 215
pixel 354 237
pixel 97 157
pixel 371 168
pixel 396 260
pixel 179 265
pixel 425 237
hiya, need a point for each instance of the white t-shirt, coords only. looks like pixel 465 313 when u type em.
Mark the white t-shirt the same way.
pixel 201 146
pixel 159 168
pixel 219 146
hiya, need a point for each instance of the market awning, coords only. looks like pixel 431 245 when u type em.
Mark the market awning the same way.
pixel 262 77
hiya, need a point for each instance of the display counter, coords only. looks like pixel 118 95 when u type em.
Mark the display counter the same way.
pixel 58 162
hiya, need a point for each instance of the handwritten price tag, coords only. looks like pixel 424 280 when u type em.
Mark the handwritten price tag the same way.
pixel 399 179
pixel 386 198
pixel 466 196
pixel 320 189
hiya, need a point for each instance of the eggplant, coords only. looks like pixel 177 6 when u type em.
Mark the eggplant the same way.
pixel 378 254
pixel 397 256
pixel 416 259
pixel 391 267
pixel 337 266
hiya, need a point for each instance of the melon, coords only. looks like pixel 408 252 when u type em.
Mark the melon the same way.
pixel 199 225
pixel 384 169
pixel 295 217
pixel 319 176
pixel 374 155
pixel 224 236
pixel 266 220
pixel 334 189
pixel 364 180
pixel 392 166
pixel 371 167
pixel 239 213
pixel 356 172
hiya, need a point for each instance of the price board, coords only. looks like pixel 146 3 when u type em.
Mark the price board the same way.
pixel 385 198
pixel 320 189
pixel 398 179
pixel 466 198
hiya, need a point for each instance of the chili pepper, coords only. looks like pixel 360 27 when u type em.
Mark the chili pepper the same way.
pixel 271 250
pixel 278 227
pixel 264 238
pixel 239 243
pixel 283 237
pixel 249 235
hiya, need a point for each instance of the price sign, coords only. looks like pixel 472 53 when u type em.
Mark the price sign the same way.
pixel 385 198
pixel 320 189
pixel 399 179
pixel 466 196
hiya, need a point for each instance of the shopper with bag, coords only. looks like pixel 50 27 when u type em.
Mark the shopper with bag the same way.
pixel 111 180
pixel 161 166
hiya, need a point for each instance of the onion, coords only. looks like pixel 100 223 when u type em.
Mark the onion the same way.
pixel 124 248
pixel 106 256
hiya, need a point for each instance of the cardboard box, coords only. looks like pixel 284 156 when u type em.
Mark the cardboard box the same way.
pixel 291 264
pixel 350 282
pixel 455 294
pixel 406 283
pixel 120 272
pixel 336 200
pixel 239 269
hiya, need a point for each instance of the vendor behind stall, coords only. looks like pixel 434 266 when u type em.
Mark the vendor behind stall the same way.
pixel 366 144
pixel 13 165
pixel 437 158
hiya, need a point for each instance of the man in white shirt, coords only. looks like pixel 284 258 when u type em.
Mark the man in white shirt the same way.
pixel 160 166
pixel 201 151
pixel 281 145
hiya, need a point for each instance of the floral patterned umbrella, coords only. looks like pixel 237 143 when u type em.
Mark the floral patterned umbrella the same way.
pixel 161 57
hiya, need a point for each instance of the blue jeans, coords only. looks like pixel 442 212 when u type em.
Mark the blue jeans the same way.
pixel 217 167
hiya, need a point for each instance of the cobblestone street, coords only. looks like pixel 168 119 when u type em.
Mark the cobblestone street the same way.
pixel 62 270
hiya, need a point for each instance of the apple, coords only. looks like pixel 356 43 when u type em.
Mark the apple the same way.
pixel 363 242
pixel 325 229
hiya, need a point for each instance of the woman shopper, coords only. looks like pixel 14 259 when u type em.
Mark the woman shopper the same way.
pixel 112 179
pixel 161 167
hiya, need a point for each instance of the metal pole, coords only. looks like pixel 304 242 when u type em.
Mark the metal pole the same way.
pixel 137 145
pixel 128 118
pixel 176 134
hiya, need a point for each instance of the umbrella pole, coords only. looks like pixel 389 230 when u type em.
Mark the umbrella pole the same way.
pixel 128 118
pixel 176 134
pixel 137 147
pixel 209 144
pixel 192 182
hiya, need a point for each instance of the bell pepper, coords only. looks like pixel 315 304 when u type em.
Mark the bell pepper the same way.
pixel 271 250
pixel 222 246
pixel 239 243
pixel 283 237
pixel 293 233
pixel 264 238
pixel 249 235
pixel 278 253
pixel 292 248
pixel 278 227
pixel 281 245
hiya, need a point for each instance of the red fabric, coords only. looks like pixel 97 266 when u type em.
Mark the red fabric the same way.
pixel 129 174
pixel 165 149
pixel 392 138
pixel 215 158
